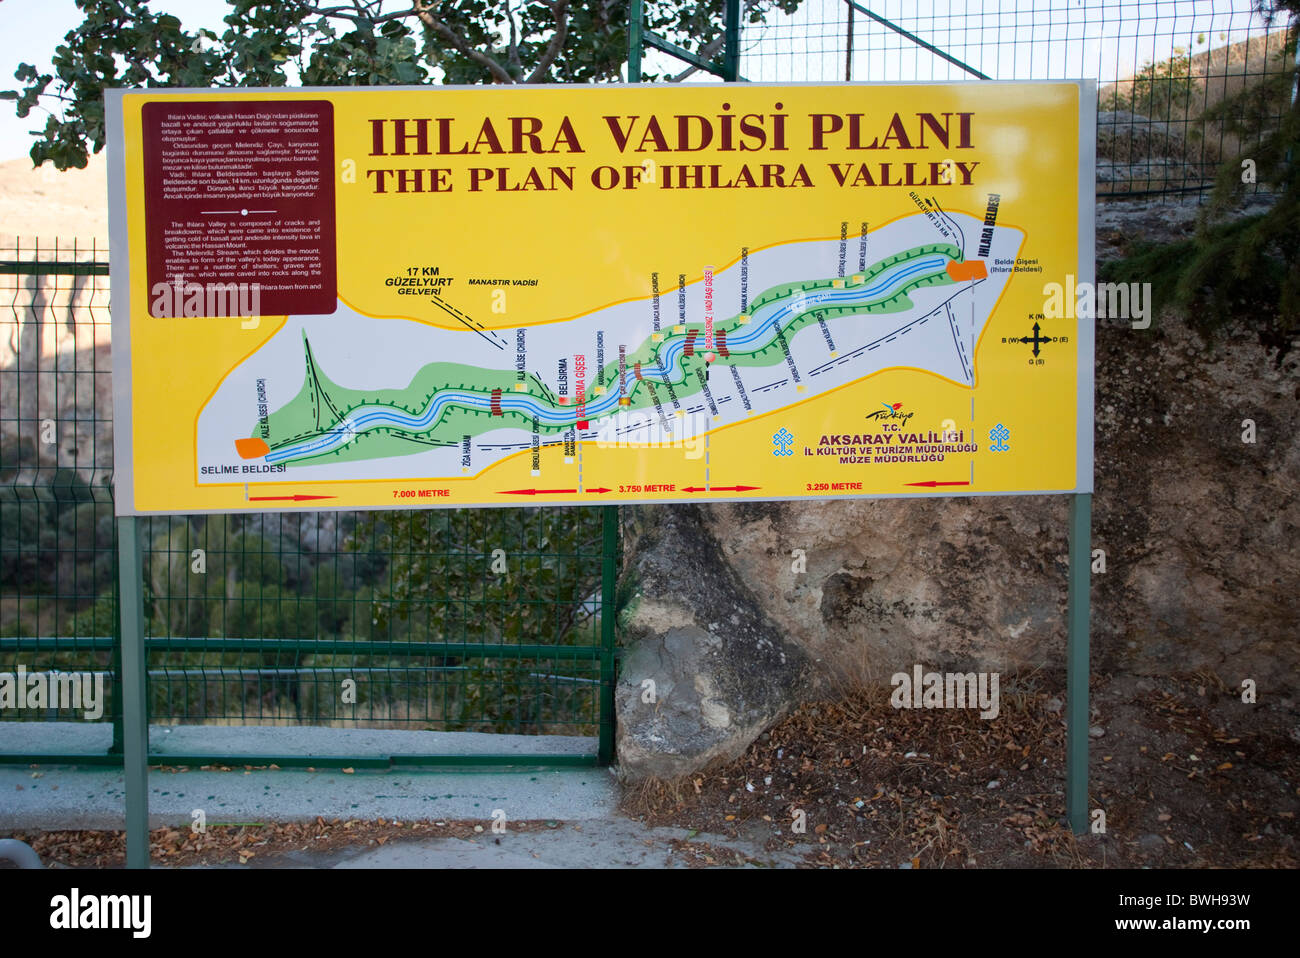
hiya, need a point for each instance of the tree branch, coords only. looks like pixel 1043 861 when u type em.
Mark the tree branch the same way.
pixel 424 11
pixel 561 10
pixel 345 13
pixel 515 63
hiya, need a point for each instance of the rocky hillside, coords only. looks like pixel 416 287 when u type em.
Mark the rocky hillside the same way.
pixel 1151 130
pixel 43 204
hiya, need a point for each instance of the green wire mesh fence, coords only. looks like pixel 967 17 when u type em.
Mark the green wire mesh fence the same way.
pixel 1183 85
pixel 57 536
pixel 439 620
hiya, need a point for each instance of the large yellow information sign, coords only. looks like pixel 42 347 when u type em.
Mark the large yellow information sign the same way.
pixel 385 298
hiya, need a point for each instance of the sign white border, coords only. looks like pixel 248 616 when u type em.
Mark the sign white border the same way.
pixel 120 299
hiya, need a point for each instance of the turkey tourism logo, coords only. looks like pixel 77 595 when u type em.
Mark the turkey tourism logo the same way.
pixel 891 411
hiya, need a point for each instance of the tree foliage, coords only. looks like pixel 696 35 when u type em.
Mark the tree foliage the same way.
pixel 124 43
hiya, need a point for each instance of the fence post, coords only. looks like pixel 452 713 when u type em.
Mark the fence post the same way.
pixel 135 715
pixel 635 43
pixel 731 50
pixel 1079 604
pixel 637 39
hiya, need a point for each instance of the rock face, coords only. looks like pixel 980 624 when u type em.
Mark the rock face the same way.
pixel 893 583
pixel 1135 152
pixel 1199 530
pixel 707 671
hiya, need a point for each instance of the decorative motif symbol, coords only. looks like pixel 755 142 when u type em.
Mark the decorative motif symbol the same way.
pixel 784 440
pixel 999 434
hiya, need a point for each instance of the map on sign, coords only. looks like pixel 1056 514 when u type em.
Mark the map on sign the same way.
pixel 336 300
pixel 346 395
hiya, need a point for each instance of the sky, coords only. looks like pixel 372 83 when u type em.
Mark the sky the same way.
pixel 31 29
pixel 1005 39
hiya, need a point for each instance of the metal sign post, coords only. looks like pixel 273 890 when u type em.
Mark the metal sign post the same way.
pixel 135 724
pixel 1076 673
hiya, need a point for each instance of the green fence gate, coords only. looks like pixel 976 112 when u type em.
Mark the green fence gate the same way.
pixel 456 620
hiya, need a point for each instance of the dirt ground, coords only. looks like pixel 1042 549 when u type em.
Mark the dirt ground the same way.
pixel 1187 774
pixel 259 844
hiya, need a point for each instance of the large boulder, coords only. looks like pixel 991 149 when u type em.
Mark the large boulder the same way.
pixel 706 671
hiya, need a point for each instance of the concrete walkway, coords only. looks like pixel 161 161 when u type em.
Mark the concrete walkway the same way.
pixel 87 796
pixel 579 806
pixel 602 843
pixel 94 738
pixel 52 798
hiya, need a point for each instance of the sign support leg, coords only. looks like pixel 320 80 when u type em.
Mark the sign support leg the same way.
pixel 608 618
pixel 1077 656
pixel 134 708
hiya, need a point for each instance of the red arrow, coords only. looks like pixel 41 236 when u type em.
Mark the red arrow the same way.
pixel 719 488
pixel 295 498
pixel 932 483
pixel 533 492
pixel 600 490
